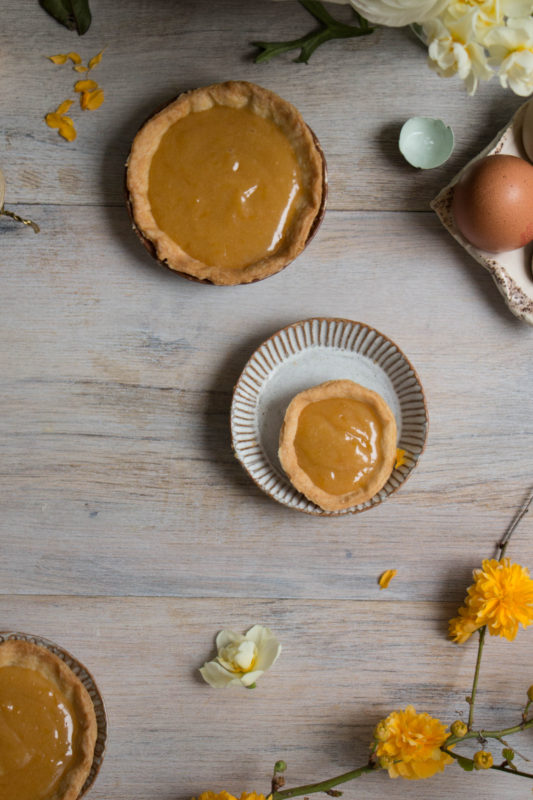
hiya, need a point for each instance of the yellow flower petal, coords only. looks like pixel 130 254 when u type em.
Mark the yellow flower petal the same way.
pixel 64 107
pixel 96 59
pixel 67 129
pixel 400 458
pixel 74 57
pixel 90 101
pixel 386 577
pixel 53 120
pixel 61 58
pixel 80 68
pixel 85 86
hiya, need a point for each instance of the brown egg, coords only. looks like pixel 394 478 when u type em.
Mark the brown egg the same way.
pixel 493 203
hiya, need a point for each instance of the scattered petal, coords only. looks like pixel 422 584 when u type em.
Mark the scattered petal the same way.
pixel 64 107
pixel 400 458
pixel 386 577
pixel 92 100
pixel 96 59
pixel 80 68
pixel 53 120
pixel 61 58
pixel 85 86
pixel 67 129
pixel 74 57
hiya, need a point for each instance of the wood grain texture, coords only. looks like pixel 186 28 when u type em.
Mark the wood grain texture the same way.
pixel 129 533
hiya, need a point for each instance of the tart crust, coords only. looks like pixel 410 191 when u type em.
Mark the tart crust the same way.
pixel 233 94
pixel 21 653
pixel 288 456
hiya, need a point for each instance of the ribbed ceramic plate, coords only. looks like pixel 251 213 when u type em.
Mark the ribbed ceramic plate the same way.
pixel 511 271
pixel 88 681
pixel 303 355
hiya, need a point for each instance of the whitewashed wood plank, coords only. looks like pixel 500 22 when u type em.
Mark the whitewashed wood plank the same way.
pixel 355 94
pixel 117 376
pixel 344 665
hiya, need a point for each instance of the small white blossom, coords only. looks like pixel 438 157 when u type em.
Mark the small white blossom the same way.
pixel 511 49
pixel 453 49
pixel 241 660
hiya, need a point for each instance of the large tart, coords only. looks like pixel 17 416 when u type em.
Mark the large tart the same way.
pixel 338 444
pixel 47 725
pixel 226 183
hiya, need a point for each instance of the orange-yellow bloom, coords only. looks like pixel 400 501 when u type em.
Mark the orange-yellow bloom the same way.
pixel 408 744
pixel 227 796
pixel 501 598
pixel 386 577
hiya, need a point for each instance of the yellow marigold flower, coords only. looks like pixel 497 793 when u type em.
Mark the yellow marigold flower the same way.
pixel 408 744
pixel 85 85
pixel 61 58
pixel 96 59
pixel 227 796
pixel 92 100
pixel 386 577
pixel 501 598
pixel 400 458
pixel 483 759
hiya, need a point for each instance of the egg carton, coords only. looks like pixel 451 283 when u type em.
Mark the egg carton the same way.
pixel 511 271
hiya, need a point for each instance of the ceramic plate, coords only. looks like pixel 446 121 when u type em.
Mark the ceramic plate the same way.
pixel 303 355
pixel 88 681
pixel 511 271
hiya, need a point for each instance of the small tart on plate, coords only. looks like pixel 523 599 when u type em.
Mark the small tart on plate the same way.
pixel 48 725
pixel 226 184
pixel 338 444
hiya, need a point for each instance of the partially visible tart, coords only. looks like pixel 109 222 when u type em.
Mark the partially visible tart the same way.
pixel 48 725
pixel 338 444
pixel 226 183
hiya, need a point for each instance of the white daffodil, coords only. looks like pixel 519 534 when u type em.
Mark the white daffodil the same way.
pixel 396 13
pixel 511 50
pixel 241 660
pixel 453 49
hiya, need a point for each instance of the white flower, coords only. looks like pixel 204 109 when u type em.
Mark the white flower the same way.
pixel 511 48
pixel 453 49
pixel 395 13
pixel 241 660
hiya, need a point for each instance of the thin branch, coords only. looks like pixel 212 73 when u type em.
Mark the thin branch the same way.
pixel 522 511
pixel 325 786
pixel 482 632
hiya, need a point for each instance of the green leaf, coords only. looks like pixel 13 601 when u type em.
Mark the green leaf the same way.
pixel 508 754
pixel 73 14
pixel 465 763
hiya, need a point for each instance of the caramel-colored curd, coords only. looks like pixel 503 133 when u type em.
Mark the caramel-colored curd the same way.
pixel 337 443
pixel 223 185
pixel 37 735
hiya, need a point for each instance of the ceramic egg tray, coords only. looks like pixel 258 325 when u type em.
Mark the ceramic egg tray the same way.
pixel 512 270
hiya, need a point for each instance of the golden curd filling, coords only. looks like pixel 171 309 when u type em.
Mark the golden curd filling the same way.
pixel 37 735
pixel 223 185
pixel 337 443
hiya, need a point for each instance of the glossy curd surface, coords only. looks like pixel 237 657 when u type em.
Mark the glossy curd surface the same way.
pixel 337 443
pixel 37 735
pixel 223 185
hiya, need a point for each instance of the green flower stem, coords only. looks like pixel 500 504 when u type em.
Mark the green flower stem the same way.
pixel 522 726
pixel 329 28
pixel 482 632
pixel 498 767
pixel 325 786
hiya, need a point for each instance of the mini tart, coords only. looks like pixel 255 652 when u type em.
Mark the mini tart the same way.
pixel 338 444
pixel 48 725
pixel 226 184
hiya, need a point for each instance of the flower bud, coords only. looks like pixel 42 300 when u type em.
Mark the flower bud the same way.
pixel 459 728
pixel 530 694
pixel 280 766
pixel 483 759
pixel 381 732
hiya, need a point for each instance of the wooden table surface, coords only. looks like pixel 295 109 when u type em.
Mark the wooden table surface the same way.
pixel 130 534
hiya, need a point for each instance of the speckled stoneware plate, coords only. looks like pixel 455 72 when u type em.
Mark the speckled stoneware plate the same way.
pixel 511 271
pixel 303 355
pixel 88 681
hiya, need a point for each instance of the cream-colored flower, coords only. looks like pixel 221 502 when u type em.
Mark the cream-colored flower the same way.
pixel 241 660
pixel 511 49
pixel 453 50
pixel 396 13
